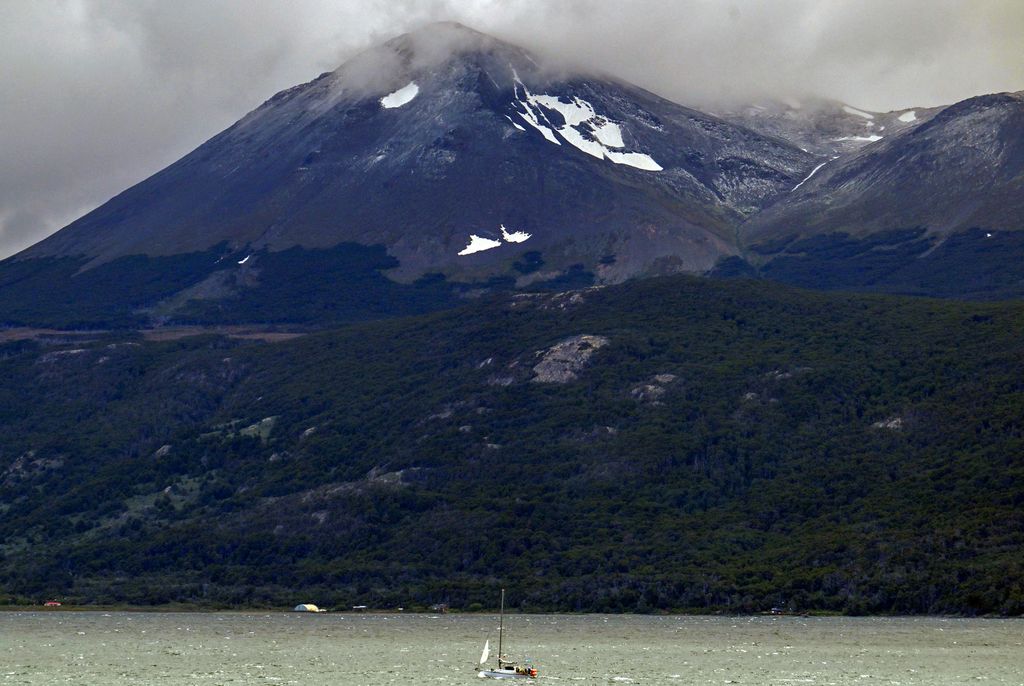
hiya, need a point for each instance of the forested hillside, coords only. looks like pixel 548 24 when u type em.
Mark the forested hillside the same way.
pixel 674 443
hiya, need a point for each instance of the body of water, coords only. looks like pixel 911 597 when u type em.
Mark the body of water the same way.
pixel 98 648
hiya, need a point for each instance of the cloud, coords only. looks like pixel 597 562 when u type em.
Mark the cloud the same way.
pixel 20 228
pixel 99 94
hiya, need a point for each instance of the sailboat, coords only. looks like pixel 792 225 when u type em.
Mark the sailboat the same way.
pixel 504 668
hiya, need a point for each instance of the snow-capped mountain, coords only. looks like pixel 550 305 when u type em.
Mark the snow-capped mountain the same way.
pixel 963 168
pixel 936 209
pixel 824 127
pixel 458 153
pixel 446 163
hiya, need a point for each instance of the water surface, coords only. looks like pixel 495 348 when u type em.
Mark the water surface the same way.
pixel 94 648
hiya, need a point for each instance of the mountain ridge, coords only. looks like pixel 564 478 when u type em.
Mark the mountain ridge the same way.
pixel 445 164
pixel 826 128
pixel 431 139
pixel 898 183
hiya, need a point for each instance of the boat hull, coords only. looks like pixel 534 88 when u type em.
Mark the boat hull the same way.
pixel 502 674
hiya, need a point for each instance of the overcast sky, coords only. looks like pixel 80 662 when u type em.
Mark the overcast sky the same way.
pixel 95 95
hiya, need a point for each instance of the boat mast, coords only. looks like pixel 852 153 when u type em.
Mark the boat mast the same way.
pixel 501 625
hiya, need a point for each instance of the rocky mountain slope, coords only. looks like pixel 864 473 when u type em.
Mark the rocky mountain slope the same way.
pixel 446 164
pixel 823 127
pixel 963 168
pixel 457 153
pixel 938 209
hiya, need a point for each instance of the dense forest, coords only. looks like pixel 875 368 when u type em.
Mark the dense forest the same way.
pixel 675 444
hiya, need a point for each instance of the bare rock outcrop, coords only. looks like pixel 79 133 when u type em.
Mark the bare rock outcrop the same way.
pixel 561 362
pixel 891 423
pixel 653 389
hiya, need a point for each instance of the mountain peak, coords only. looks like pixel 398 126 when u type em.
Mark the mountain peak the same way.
pixel 444 37
pixel 984 102
pixel 453 156
pixel 446 29
pixel 427 52
pixel 453 153
pixel 957 170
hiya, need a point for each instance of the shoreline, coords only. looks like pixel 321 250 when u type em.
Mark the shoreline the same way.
pixel 184 609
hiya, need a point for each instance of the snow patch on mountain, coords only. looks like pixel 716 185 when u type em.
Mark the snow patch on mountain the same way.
pixel 533 120
pixel 863 139
pixel 479 244
pixel 908 117
pixel 859 113
pixel 574 112
pixel 813 172
pixel 634 159
pixel 609 134
pixel 515 236
pixel 402 96
pixel 514 123
pixel 535 117
pixel 583 128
